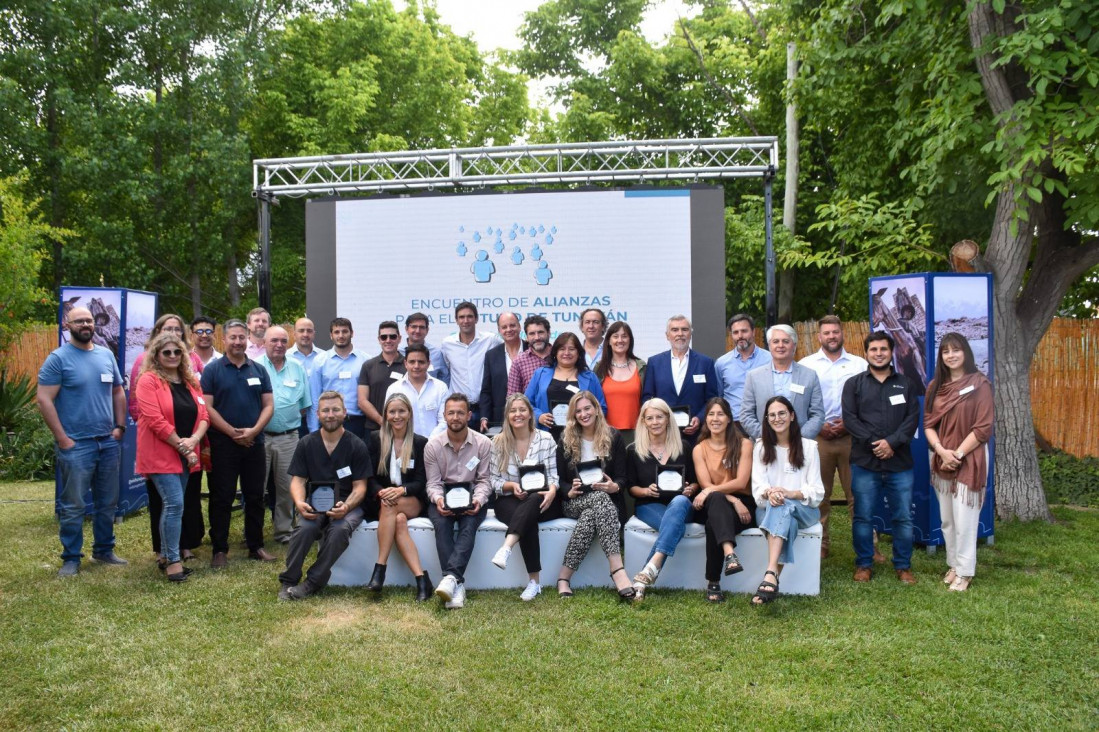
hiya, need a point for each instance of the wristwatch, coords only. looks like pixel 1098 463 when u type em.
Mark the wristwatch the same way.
pixel 120 427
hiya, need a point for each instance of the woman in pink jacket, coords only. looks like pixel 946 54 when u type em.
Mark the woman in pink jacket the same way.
pixel 172 422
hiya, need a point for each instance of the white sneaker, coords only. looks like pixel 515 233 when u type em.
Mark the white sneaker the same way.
pixel 448 586
pixel 533 590
pixel 500 558
pixel 459 599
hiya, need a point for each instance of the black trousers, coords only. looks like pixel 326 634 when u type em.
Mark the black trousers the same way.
pixel 334 536
pixel 356 425
pixel 233 462
pixel 722 525
pixel 522 518
pixel 193 525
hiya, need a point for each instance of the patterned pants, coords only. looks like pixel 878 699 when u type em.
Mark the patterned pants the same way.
pixel 595 514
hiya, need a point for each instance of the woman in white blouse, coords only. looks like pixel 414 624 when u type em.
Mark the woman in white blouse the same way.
pixel 524 475
pixel 787 487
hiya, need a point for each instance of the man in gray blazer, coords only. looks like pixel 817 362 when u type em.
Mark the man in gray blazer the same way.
pixel 782 377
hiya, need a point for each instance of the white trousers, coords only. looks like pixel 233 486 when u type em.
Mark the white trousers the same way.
pixel 960 515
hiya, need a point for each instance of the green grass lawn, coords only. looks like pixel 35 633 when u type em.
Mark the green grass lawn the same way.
pixel 123 648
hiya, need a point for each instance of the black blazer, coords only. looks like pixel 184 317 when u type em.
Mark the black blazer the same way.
pixel 614 466
pixel 494 383
pixel 414 480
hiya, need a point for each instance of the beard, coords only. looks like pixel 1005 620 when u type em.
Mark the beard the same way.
pixel 82 334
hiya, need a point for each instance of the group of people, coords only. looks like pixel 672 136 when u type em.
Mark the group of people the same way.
pixel 532 429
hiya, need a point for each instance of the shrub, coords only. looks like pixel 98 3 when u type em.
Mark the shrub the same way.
pixel 27 453
pixel 1070 480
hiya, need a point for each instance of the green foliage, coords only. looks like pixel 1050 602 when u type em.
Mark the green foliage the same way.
pixel 27 452
pixel 17 397
pixel 1070 480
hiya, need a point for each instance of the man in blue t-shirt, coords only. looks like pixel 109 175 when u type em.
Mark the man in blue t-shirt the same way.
pixel 81 398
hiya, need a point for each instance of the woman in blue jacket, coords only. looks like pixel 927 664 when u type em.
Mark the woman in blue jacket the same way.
pixel 556 384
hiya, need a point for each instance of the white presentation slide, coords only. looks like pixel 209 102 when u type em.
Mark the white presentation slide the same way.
pixel 553 254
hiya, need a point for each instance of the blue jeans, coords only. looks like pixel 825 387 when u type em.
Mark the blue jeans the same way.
pixel 669 521
pixel 865 486
pixel 170 486
pixel 454 553
pixel 784 522
pixel 90 464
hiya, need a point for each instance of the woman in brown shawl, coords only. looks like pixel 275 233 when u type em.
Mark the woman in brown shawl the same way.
pixel 958 422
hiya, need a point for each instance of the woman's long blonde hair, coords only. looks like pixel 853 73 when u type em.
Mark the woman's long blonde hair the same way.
pixel 151 360
pixel 673 443
pixel 503 444
pixel 573 432
pixel 386 437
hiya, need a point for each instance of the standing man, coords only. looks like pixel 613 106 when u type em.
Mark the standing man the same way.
pixel 593 324
pixel 338 370
pixel 427 394
pixel 464 353
pixel 681 376
pixel 416 327
pixel 237 392
pixel 290 393
pixel 834 366
pixel 202 330
pixel 379 373
pixel 881 410
pixel 533 358
pixel 457 456
pixel 785 378
pixel 258 322
pixel 336 457
pixel 303 351
pixel 82 401
pixel 499 361
pixel 732 368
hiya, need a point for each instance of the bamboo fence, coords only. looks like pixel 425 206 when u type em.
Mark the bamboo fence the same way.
pixel 1064 378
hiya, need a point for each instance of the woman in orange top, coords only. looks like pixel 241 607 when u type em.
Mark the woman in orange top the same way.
pixel 621 374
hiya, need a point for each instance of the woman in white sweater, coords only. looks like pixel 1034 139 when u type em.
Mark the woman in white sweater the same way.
pixel 787 487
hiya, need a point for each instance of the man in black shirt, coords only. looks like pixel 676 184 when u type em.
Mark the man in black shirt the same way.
pixel 378 373
pixel 881 411
pixel 331 456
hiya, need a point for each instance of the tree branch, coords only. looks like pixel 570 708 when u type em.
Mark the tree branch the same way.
pixel 751 16
pixel 712 82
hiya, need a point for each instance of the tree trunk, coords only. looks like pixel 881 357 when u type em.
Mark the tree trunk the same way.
pixel 232 274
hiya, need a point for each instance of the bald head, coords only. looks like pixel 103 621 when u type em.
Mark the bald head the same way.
pixel 303 335
pixel 81 327
pixel 276 340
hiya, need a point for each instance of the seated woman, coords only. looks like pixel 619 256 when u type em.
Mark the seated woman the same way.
pixel 398 490
pixel 787 487
pixel 599 507
pixel 521 444
pixel 658 447
pixel 566 376
pixel 723 464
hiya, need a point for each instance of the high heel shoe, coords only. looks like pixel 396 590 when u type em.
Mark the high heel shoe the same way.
pixel 377 580
pixel 628 594
pixel 423 588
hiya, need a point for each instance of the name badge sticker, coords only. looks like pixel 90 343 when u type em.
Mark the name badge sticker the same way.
pixel 290 383
pixel 797 388
pixel 411 463
pixel 573 388
pixel 395 375
pixel 343 472
pixel 967 389
pixel 344 375
pixel 700 378
pixel 253 381
pixel 107 378
pixel 896 399
pixel 202 401
pixel 473 463
pixel 789 469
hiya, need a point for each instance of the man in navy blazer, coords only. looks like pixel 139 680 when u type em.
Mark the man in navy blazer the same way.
pixel 494 382
pixel 786 378
pixel 681 376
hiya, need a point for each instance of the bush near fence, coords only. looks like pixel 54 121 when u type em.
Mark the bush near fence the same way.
pixel 1064 378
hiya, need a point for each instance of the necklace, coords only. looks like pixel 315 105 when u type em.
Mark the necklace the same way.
pixel 658 454
pixel 620 365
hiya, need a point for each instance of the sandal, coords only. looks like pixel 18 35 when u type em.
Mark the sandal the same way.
pixel 568 586
pixel 949 577
pixel 628 593
pixel 187 555
pixel 960 584
pixel 714 593
pixel 767 591
pixel 732 564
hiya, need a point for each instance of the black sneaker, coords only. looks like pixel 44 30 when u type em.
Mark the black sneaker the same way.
pixel 109 558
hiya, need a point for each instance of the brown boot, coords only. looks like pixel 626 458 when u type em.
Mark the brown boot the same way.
pixel 906 576
pixel 863 574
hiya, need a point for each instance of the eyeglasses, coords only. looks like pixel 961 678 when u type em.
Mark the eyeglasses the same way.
pixel 203 331
pixel 778 416
pixel 82 321
pixel 388 337
pixel 171 352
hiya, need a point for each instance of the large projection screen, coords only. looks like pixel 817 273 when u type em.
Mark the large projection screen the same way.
pixel 641 255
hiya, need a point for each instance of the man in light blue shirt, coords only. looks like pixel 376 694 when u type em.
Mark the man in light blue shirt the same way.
pixel 733 367
pixel 292 401
pixel 303 351
pixel 338 370
pixel 464 353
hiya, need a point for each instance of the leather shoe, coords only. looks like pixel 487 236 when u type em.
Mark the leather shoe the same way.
pixel 423 587
pixel 219 561
pixel 377 580
pixel 109 558
pixel 261 555
pixel 284 592
pixel 863 574
pixel 906 576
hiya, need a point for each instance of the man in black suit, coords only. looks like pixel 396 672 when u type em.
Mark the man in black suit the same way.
pixel 494 383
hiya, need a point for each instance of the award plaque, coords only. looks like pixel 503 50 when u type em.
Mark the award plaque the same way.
pixel 560 413
pixel 589 472
pixel 669 478
pixel 458 497
pixel 533 478
pixel 322 497
pixel 682 416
